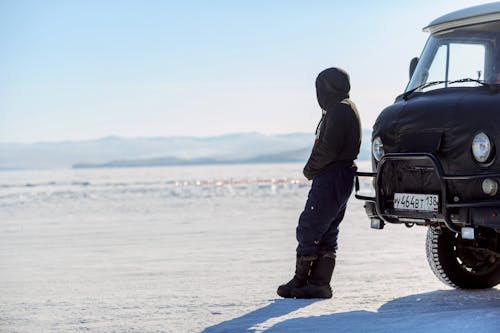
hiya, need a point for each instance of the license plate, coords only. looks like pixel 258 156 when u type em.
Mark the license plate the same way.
pixel 416 202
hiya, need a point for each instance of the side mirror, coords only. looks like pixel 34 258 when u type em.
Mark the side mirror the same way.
pixel 413 65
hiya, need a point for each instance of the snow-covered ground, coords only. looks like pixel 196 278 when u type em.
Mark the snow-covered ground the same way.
pixel 203 249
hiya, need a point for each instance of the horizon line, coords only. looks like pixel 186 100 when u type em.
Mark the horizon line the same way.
pixel 120 137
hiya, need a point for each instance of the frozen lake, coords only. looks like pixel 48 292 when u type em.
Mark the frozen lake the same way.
pixel 203 249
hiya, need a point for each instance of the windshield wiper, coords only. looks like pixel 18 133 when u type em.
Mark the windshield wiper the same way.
pixel 493 87
pixel 407 94
pixel 468 79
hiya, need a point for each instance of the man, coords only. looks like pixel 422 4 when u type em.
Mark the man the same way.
pixel 331 168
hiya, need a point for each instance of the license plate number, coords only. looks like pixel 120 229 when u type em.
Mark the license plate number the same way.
pixel 416 202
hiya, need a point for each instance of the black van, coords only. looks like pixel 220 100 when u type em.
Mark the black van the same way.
pixel 434 151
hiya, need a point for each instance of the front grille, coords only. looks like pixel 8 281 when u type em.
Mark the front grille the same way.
pixel 420 176
pixel 408 177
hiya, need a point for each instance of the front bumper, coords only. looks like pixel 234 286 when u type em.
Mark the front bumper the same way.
pixel 452 212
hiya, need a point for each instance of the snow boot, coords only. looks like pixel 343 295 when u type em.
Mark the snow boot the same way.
pixel 302 271
pixel 318 285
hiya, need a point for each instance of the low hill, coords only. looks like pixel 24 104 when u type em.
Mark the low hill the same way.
pixel 157 151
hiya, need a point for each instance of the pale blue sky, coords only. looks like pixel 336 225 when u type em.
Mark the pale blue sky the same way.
pixel 72 70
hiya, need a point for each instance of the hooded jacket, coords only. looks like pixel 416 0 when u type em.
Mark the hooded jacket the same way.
pixel 338 135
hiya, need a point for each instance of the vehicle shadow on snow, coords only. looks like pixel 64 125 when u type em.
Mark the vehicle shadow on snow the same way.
pixel 437 311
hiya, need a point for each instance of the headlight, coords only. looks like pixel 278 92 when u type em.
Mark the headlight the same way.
pixel 481 147
pixel 377 148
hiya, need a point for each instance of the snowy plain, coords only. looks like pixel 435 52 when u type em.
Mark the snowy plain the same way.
pixel 203 249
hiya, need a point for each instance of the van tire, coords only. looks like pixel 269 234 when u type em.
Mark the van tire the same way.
pixel 457 266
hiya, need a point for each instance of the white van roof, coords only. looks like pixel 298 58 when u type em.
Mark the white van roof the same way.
pixel 467 16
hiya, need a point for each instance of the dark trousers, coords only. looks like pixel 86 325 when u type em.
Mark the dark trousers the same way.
pixel 318 227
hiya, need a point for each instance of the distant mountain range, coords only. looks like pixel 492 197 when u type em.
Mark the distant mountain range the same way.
pixel 163 151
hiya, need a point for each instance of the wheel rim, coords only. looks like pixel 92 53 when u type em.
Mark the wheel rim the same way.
pixel 473 259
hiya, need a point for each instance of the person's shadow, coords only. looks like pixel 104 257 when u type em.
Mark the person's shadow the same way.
pixel 438 311
pixel 247 322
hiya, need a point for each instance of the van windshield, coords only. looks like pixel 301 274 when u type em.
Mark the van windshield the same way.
pixel 471 52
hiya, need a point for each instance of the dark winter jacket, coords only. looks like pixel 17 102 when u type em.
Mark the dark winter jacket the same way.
pixel 338 135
